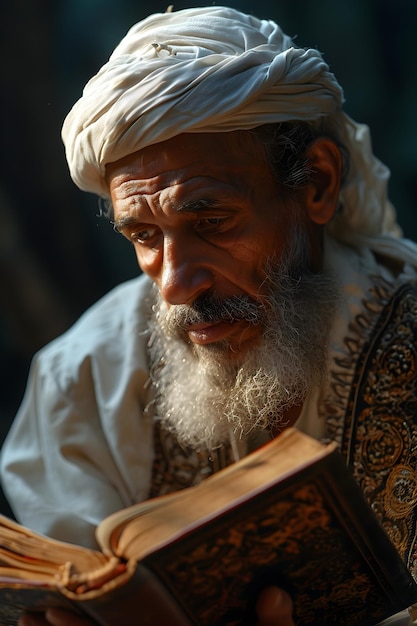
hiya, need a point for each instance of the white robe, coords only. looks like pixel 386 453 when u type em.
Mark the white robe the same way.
pixel 80 447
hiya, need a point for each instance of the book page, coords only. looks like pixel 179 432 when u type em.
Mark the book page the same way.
pixel 108 531
pixel 173 516
pixel 35 554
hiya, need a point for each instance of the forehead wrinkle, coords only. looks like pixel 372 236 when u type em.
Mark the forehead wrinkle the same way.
pixel 131 187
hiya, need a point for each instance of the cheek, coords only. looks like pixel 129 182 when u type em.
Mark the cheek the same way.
pixel 149 262
pixel 257 248
pixel 244 269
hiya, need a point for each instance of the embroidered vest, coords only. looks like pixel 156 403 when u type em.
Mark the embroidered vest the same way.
pixel 379 434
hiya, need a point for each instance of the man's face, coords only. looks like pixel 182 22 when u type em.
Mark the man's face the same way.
pixel 204 214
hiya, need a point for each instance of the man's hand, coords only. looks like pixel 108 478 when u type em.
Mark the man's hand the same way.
pixel 54 617
pixel 274 608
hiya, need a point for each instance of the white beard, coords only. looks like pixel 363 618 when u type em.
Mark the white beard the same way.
pixel 203 393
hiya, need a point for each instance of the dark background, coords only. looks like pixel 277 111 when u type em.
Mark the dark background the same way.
pixel 57 257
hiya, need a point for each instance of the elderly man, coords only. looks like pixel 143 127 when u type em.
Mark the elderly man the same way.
pixel 276 288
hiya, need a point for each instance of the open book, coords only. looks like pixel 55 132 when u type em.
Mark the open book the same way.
pixel 288 514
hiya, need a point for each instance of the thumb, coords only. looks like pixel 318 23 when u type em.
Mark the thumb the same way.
pixel 274 608
pixel 57 617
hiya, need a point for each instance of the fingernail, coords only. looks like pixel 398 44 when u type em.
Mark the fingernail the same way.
pixel 276 596
pixel 273 596
pixel 53 616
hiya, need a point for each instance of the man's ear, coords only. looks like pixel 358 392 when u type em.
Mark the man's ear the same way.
pixel 322 191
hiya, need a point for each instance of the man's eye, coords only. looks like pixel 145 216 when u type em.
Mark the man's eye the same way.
pixel 144 235
pixel 210 223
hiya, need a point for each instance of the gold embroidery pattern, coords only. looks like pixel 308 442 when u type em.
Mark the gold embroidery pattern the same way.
pixel 380 432
pixel 334 408
pixel 176 467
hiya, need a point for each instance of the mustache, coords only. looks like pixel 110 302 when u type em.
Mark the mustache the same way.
pixel 208 308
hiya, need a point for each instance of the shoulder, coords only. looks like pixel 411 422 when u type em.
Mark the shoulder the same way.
pixel 126 303
pixel 111 332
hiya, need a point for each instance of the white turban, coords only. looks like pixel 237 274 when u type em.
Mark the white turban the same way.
pixel 215 69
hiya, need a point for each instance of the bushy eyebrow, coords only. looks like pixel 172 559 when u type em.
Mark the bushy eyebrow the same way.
pixel 189 206
pixel 124 222
pixel 194 206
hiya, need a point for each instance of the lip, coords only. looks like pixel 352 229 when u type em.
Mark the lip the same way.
pixel 205 333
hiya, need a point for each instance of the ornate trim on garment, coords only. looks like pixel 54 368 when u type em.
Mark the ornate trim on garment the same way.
pixel 176 467
pixel 378 436
pixel 344 363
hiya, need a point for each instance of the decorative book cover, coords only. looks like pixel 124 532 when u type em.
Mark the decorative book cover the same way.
pixel 289 514
pixel 301 535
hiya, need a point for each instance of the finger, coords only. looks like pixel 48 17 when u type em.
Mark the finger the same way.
pixel 57 617
pixel 274 608
pixel 32 619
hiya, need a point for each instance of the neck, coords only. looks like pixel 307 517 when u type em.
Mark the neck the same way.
pixel 289 418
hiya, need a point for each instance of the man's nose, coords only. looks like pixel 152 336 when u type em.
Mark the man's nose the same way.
pixel 185 272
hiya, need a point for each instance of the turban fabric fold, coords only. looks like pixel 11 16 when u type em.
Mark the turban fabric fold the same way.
pixel 196 70
pixel 215 69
